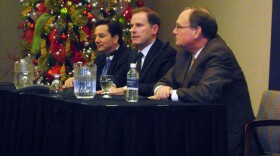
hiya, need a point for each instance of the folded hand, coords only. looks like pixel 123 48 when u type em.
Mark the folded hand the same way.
pixel 69 83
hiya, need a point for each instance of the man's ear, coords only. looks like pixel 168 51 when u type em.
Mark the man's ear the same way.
pixel 116 38
pixel 197 32
pixel 155 28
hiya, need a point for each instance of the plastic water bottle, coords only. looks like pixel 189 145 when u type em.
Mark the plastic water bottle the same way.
pixel 132 84
pixel 24 73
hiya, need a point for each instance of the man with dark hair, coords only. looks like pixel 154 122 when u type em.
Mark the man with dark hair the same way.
pixel 154 58
pixel 207 72
pixel 112 53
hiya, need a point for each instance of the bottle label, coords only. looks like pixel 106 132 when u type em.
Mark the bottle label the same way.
pixel 132 84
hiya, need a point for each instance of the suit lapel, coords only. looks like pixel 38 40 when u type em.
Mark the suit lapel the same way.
pixel 182 70
pixel 190 73
pixel 150 58
pixel 117 55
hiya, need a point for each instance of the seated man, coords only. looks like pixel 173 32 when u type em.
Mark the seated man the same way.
pixel 157 57
pixel 113 54
pixel 207 72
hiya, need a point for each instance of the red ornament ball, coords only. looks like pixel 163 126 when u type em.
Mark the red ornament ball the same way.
pixel 140 3
pixel 31 26
pixel 90 16
pixel 35 61
pixel 63 37
pixel 85 13
pixel 89 6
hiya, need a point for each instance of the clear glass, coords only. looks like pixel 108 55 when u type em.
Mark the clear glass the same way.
pixel 56 86
pixel 106 83
pixel 85 80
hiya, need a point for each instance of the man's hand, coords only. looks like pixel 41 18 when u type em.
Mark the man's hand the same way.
pixel 153 97
pixel 100 92
pixel 113 91
pixel 69 83
pixel 117 91
pixel 163 93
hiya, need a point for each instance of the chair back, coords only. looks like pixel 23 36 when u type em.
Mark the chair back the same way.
pixel 269 109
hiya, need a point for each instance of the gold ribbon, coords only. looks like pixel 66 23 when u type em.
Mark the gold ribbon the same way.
pixel 63 72
pixel 26 10
pixel 83 35
pixel 48 23
pixel 43 48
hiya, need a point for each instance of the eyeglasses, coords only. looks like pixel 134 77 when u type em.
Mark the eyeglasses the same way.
pixel 183 27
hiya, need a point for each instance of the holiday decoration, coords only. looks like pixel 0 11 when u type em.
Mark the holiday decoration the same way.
pixel 59 33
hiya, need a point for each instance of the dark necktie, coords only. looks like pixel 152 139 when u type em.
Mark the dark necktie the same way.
pixel 139 61
pixel 106 67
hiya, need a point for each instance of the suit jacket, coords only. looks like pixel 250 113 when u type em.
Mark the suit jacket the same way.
pixel 119 60
pixel 215 77
pixel 160 58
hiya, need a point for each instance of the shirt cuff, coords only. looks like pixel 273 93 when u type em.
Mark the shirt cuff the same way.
pixel 157 89
pixel 174 96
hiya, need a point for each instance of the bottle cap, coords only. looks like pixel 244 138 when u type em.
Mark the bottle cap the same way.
pixel 132 65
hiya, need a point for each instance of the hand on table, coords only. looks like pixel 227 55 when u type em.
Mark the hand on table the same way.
pixel 113 91
pixel 68 83
pixel 163 93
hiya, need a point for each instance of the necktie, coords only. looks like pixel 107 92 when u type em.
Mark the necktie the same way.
pixel 139 61
pixel 106 67
pixel 193 59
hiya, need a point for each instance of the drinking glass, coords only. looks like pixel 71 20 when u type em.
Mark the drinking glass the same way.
pixel 56 86
pixel 106 83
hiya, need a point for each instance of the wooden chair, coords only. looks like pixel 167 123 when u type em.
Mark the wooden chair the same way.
pixel 266 127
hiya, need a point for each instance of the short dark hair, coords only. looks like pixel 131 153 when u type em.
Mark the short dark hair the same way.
pixel 114 27
pixel 205 19
pixel 153 17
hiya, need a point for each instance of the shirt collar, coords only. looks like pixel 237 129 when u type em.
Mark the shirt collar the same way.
pixel 198 52
pixel 146 49
pixel 112 54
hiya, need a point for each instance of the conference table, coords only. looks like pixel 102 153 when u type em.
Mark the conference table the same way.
pixel 33 124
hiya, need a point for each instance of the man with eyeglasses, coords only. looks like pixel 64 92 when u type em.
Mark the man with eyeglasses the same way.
pixel 207 72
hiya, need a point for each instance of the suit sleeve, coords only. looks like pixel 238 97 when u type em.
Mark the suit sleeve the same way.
pixel 120 76
pixel 209 80
pixel 166 80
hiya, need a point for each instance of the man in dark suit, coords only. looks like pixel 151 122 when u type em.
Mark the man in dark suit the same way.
pixel 112 53
pixel 157 58
pixel 208 72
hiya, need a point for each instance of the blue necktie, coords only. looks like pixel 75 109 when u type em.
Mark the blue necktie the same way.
pixel 106 67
